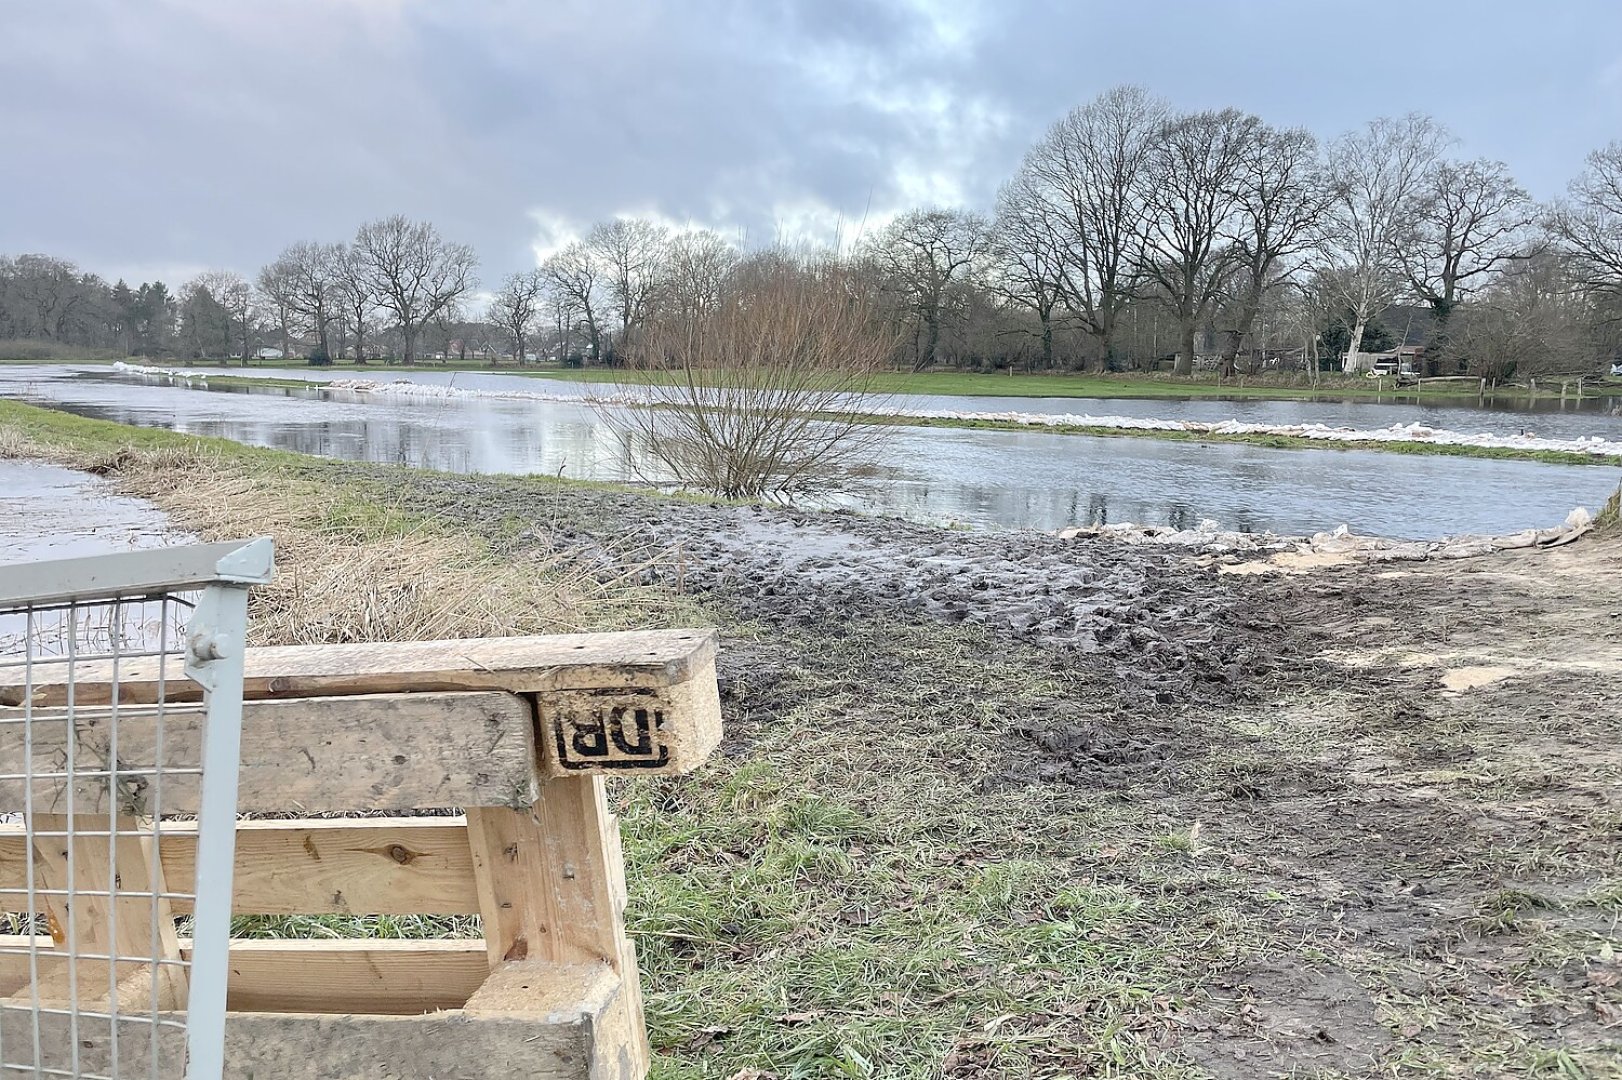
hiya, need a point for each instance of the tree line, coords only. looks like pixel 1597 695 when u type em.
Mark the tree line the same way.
pixel 1131 235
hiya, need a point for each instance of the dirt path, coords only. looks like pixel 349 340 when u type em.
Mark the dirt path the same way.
pixel 1363 822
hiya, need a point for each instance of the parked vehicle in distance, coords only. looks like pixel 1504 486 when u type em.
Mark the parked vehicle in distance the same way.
pixel 1616 369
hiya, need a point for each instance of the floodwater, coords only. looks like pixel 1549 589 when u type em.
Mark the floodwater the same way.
pixel 1546 416
pixel 980 477
pixel 48 512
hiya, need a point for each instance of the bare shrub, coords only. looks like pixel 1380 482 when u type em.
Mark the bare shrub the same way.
pixel 766 389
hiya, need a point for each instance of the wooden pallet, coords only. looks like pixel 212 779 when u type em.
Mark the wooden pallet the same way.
pixel 516 733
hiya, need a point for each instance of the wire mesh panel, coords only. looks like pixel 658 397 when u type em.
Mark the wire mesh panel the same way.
pixel 120 714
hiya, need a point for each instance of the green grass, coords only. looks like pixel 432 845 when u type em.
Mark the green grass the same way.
pixel 850 901
pixel 1609 518
pixel 1119 385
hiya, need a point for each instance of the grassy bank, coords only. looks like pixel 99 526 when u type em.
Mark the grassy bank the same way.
pixel 356 566
pixel 1330 387
pixel 833 896
pixel 932 851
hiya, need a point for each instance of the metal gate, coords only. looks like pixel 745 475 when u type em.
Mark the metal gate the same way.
pixel 109 764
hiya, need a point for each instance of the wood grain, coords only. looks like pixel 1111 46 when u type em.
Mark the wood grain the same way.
pixel 560 1044
pixel 520 664
pixel 378 752
pixel 630 731
pixel 369 975
pixel 358 866
pixel 551 888
pixel 130 920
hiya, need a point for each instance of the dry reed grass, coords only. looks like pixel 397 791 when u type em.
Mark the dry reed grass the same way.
pixel 349 568
pixel 1609 518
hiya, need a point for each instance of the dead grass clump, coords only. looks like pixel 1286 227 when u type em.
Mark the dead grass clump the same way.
pixel 14 444
pixel 1609 518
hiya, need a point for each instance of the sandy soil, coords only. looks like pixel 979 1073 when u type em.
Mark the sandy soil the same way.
pixel 1405 782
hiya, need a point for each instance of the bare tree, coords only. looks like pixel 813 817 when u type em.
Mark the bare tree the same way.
pixel 1587 223
pixel 697 265
pixel 275 287
pixel 765 390
pixel 49 290
pixel 515 307
pixel 304 282
pixel 1027 256
pixel 417 276
pixel 1191 197
pixel 230 303
pixel 923 253
pixel 577 274
pixel 1471 218
pixel 1282 194
pixel 1086 178
pixel 1528 320
pixel 1379 176
pixel 356 299
pixel 631 253
pixel 562 317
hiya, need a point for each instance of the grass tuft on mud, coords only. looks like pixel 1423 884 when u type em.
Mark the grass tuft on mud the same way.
pixel 1609 518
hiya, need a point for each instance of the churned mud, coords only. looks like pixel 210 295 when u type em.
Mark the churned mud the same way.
pixel 1396 788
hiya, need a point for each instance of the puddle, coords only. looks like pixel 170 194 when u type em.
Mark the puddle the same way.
pixel 48 512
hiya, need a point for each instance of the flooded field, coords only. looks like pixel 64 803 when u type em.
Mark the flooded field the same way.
pixel 980 477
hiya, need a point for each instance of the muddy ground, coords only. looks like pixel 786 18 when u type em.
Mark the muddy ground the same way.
pixel 1404 784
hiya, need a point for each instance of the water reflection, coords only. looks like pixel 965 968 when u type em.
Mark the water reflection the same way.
pixel 1025 478
pixel 1545 416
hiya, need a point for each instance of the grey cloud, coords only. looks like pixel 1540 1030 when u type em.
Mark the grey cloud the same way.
pixel 214 132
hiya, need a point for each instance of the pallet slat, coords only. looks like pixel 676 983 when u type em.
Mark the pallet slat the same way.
pixel 359 866
pixel 354 976
pixel 519 664
pixel 557 1039
pixel 378 752
pixel 384 977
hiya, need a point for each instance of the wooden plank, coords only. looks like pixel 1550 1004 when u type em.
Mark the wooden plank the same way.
pixel 453 1045
pixel 550 888
pixel 359 866
pixel 635 731
pixel 537 989
pixel 371 975
pixel 519 664
pixel 133 922
pixel 379 752
pixel 355 975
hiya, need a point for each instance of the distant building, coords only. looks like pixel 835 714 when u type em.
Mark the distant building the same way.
pixel 1403 360
pixel 268 354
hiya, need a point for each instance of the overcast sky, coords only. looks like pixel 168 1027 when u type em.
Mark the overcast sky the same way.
pixel 162 137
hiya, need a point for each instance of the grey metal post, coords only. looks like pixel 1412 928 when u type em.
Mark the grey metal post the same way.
pixel 214 658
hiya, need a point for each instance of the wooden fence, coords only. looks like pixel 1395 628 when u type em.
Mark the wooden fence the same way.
pixel 516 733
